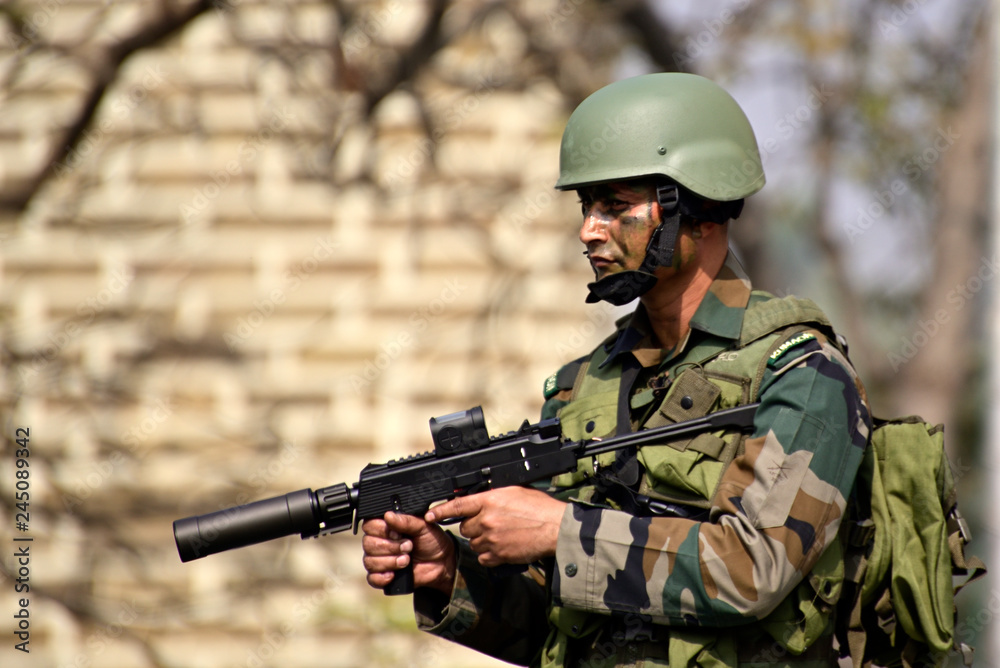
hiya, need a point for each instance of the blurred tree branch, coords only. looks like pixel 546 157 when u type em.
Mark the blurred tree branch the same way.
pixel 937 372
pixel 411 60
pixel 654 37
pixel 104 67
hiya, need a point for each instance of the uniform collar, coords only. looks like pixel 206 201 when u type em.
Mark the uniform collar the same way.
pixel 720 314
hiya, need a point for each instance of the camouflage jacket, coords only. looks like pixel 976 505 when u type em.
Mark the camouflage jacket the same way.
pixel 775 510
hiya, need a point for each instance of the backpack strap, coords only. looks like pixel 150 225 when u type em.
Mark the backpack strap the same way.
pixel 767 314
pixel 789 316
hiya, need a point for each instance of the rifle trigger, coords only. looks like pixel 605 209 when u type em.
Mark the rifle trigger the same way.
pixel 479 487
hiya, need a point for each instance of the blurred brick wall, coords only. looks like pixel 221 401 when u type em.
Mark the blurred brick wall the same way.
pixel 239 285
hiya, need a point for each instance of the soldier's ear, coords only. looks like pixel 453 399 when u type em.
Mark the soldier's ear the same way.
pixel 708 234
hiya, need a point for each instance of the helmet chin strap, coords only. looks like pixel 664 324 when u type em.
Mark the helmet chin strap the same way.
pixel 622 287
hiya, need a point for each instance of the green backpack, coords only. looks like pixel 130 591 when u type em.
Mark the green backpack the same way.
pixel 904 541
pixel 904 544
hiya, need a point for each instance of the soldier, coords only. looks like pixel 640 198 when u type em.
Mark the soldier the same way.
pixel 718 551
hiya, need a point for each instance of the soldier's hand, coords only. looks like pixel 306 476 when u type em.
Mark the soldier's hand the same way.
pixel 510 525
pixel 397 540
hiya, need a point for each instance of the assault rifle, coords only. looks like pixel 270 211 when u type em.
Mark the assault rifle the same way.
pixel 465 460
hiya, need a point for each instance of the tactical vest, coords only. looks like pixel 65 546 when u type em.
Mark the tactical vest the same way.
pixel 688 473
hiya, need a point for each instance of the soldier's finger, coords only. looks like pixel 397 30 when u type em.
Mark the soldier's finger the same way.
pixel 469 528
pixel 403 525
pixel 385 564
pixel 380 580
pixel 463 506
pixel 377 546
pixel 375 528
pixel 489 560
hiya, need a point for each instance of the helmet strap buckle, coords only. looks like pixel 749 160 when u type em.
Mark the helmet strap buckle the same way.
pixel 668 196
pixel 660 251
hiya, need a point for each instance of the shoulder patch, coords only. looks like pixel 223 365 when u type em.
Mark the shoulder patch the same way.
pixel 550 385
pixel 793 342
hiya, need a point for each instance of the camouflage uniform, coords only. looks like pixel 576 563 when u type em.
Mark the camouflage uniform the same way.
pixel 718 583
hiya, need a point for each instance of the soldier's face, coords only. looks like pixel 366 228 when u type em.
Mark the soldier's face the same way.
pixel 618 219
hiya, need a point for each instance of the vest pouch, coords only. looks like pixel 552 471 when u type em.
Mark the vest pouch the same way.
pixel 591 416
pixel 566 626
pixel 685 647
pixel 688 471
pixel 687 477
pixel 701 648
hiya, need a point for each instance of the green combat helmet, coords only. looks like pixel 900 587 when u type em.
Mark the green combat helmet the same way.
pixel 681 127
